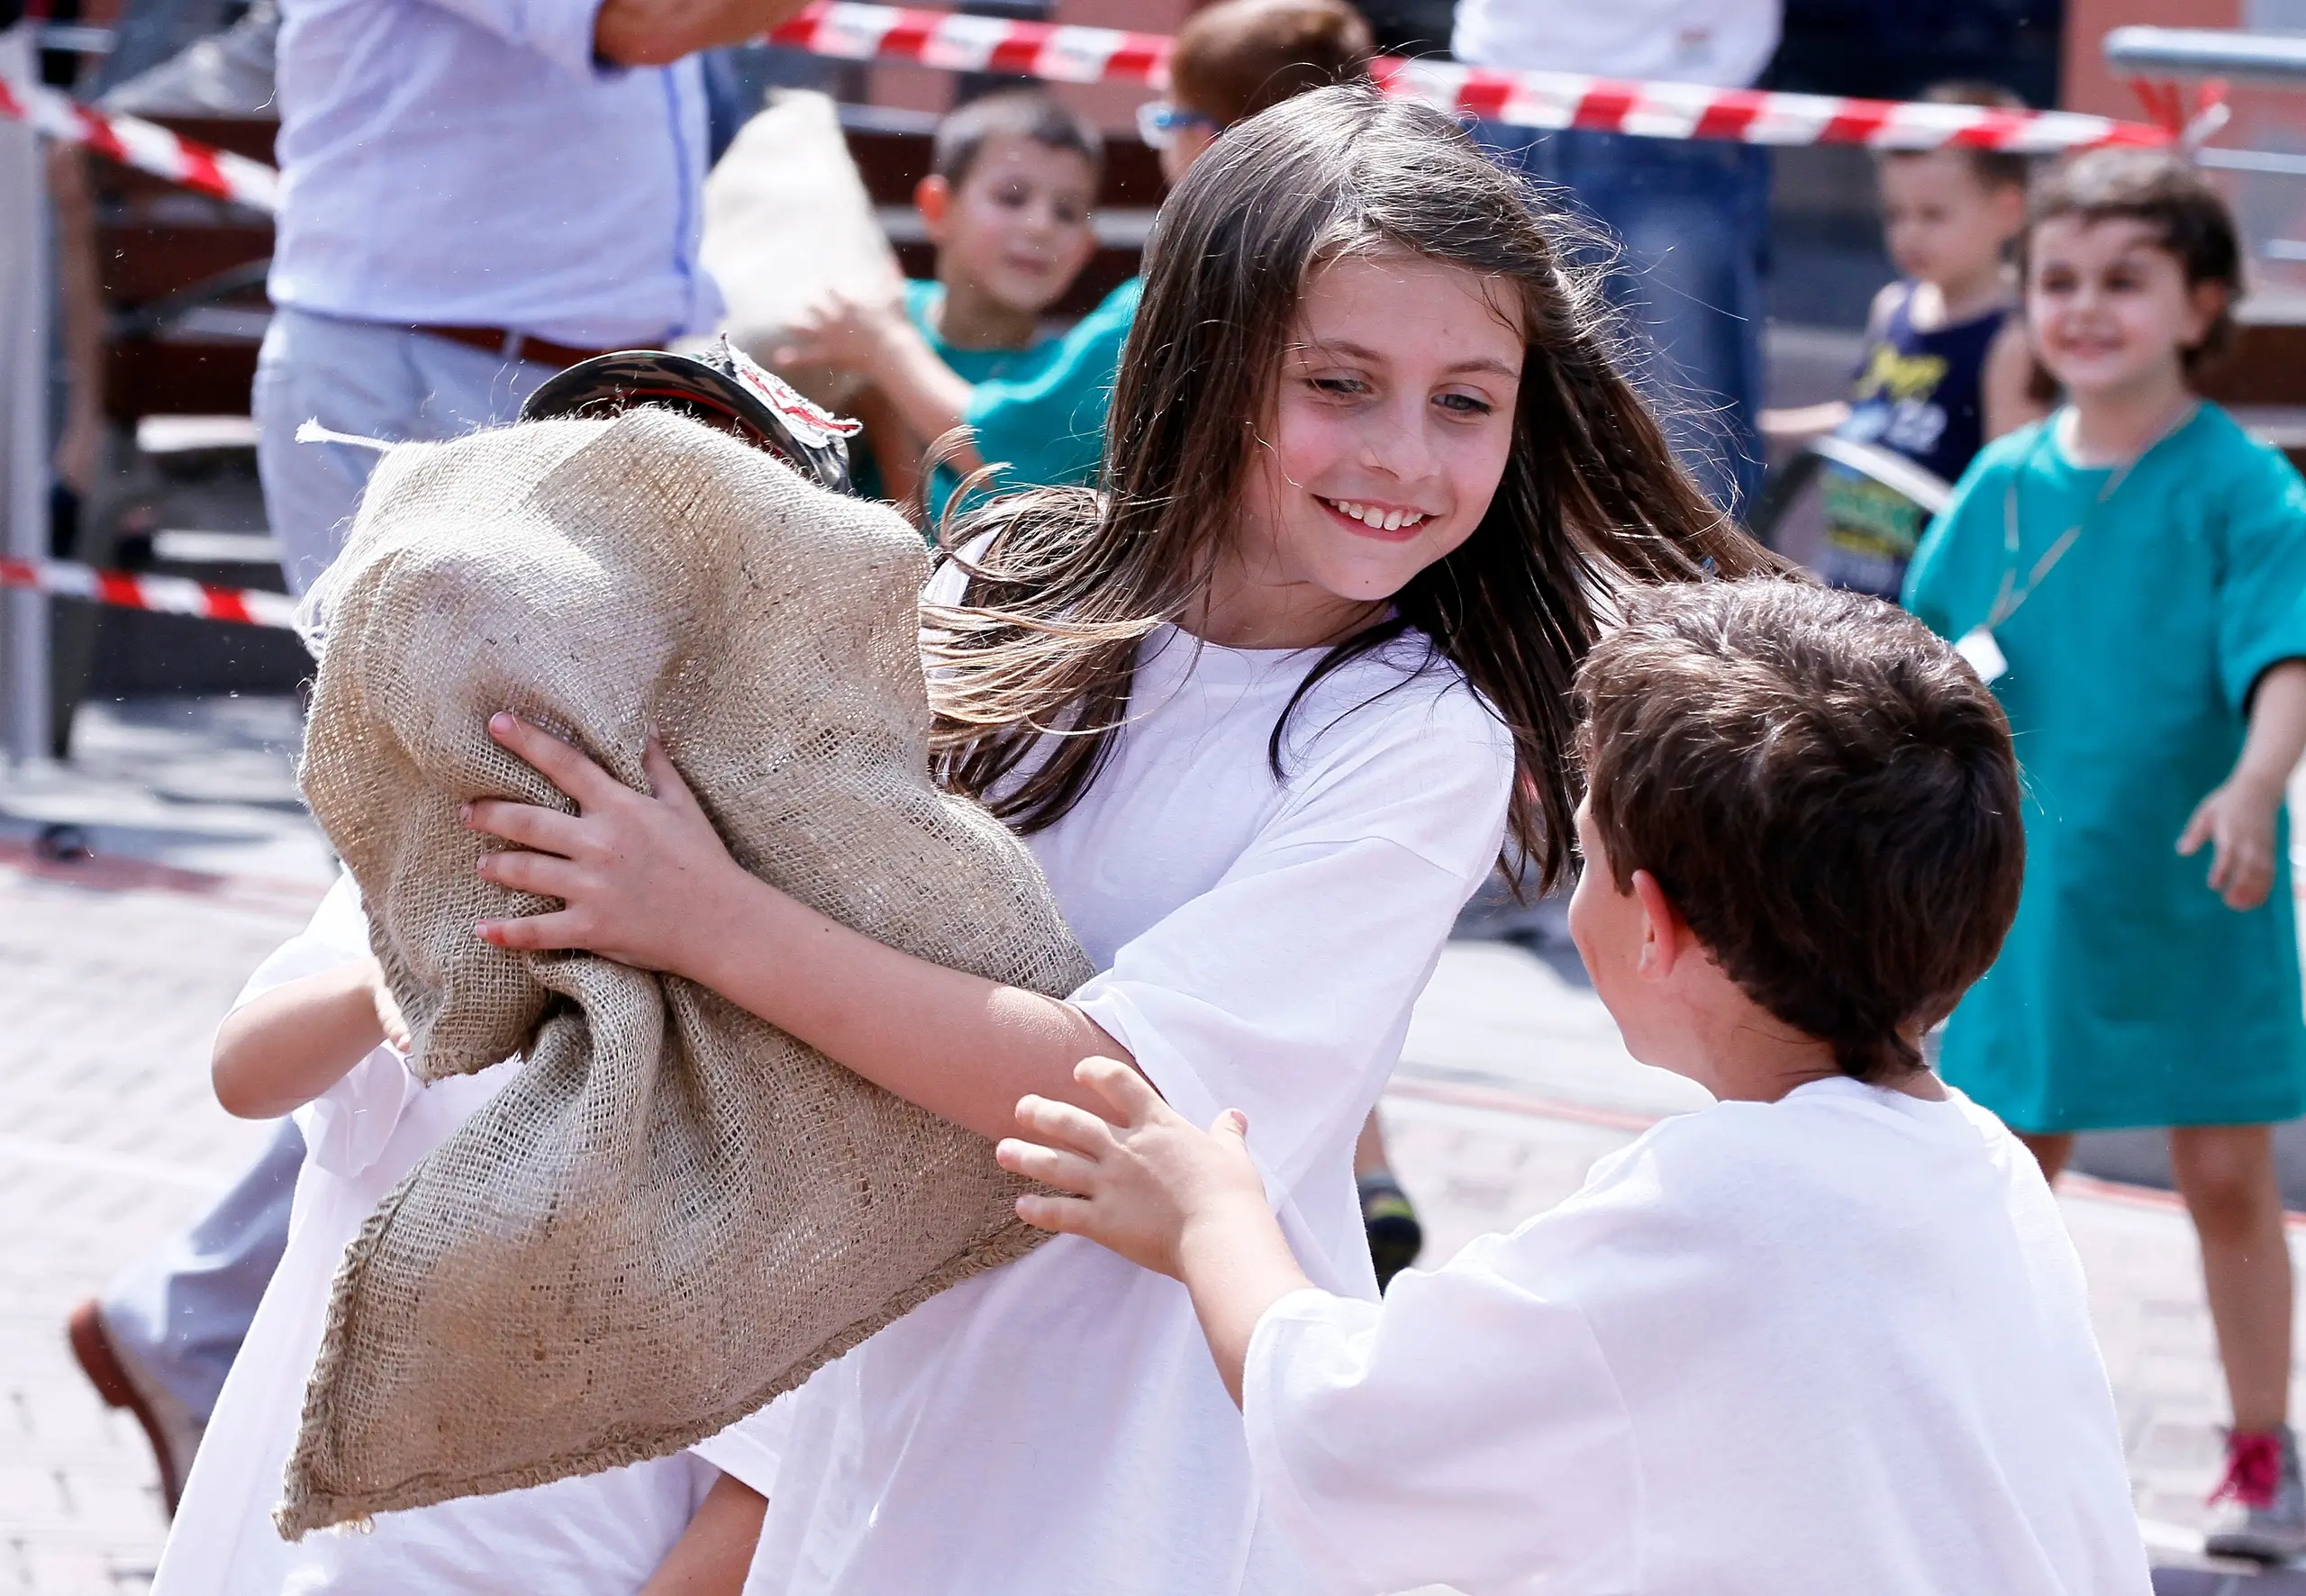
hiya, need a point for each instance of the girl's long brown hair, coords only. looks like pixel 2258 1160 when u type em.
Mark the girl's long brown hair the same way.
pixel 1070 581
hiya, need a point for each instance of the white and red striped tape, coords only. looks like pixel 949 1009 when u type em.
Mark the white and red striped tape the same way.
pixel 1063 54
pixel 1746 116
pixel 1066 54
pixel 168 595
pixel 145 145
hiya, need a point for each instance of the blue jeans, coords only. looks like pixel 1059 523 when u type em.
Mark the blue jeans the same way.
pixel 367 379
pixel 181 1312
pixel 1693 219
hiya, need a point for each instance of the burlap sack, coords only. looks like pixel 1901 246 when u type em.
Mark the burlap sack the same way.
pixel 675 1212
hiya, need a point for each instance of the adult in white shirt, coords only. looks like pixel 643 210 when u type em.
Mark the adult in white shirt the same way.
pixel 476 194
pixel 1691 216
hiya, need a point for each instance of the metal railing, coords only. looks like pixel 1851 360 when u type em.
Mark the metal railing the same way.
pixel 2237 56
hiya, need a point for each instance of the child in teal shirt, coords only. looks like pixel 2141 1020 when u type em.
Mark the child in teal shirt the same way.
pixel 1007 203
pixel 2132 576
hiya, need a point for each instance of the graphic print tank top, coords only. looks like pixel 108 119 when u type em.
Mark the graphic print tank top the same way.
pixel 1919 395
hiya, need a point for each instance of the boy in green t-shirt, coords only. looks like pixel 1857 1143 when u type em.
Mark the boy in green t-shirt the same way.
pixel 1007 204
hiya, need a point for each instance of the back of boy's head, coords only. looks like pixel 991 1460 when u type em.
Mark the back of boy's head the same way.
pixel 1824 790
pixel 1023 113
pixel 2162 190
pixel 1994 169
pixel 1240 56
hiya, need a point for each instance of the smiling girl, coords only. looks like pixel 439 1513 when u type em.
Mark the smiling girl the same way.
pixel 1267 707
pixel 2131 576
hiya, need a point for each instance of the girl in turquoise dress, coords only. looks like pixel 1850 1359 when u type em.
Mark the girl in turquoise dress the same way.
pixel 2132 576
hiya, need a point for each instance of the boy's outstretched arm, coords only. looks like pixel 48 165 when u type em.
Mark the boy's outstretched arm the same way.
pixel 877 340
pixel 1143 1182
pixel 277 1051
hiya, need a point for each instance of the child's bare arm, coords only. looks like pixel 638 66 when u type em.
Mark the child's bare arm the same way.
pixel 876 340
pixel 2236 819
pixel 277 1051
pixel 1801 422
pixel 715 1551
pixel 1144 1183
pixel 858 1000
pixel 1805 421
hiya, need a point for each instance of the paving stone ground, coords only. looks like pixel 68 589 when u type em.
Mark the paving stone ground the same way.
pixel 109 1142
pixel 113 972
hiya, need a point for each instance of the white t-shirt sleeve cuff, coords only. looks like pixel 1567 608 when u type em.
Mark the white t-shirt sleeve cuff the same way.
pixel 753 1448
pixel 1107 1001
pixel 347 1126
pixel 560 30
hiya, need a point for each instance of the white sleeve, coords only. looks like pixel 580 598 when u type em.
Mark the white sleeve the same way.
pixel 1465 1431
pixel 346 1127
pixel 337 933
pixel 753 1447
pixel 1281 991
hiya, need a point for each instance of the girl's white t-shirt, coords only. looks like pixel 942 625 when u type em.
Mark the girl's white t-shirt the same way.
pixel 1836 1344
pixel 599 1535
pixel 1056 1427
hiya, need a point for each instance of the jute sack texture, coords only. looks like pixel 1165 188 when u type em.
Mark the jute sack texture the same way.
pixel 675 1212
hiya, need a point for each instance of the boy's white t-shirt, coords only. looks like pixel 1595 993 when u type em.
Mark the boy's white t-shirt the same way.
pixel 1056 1426
pixel 599 1535
pixel 1831 1345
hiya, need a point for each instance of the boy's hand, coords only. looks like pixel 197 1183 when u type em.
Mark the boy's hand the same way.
pixel 843 332
pixel 1142 1179
pixel 642 877
pixel 2237 819
pixel 389 1019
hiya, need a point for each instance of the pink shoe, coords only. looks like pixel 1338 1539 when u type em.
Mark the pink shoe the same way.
pixel 2262 1481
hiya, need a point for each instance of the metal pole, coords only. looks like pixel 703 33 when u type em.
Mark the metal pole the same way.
pixel 2209 52
pixel 23 410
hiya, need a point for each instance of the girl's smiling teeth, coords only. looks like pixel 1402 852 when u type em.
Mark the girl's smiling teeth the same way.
pixel 1384 519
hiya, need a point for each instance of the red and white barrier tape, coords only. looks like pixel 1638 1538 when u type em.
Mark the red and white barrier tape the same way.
pixel 168 595
pixel 1745 116
pixel 1065 54
pixel 145 145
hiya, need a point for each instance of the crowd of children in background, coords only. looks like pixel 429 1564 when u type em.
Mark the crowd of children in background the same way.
pixel 1368 465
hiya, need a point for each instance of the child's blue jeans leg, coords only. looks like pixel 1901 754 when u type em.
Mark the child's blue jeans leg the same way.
pixel 182 1310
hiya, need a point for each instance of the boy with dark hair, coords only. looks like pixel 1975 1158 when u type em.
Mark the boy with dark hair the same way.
pixel 1827 1336
pixel 1240 56
pixel 964 133
pixel 1013 179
